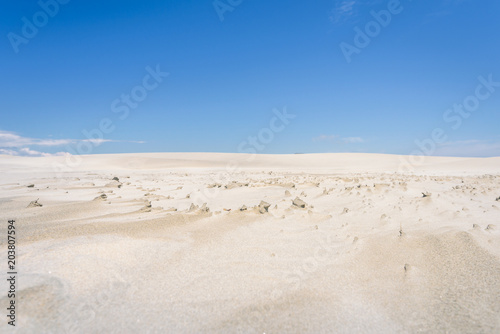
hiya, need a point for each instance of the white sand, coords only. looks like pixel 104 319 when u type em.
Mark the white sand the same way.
pixel 368 254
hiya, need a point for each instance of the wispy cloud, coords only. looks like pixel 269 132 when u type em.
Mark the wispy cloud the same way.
pixel 453 2
pixel 8 152
pixel 25 151
pixel 469 148
pixel 325 138
pixel 337 138
pixel 444 8
pixel 14 144
pixel 352 140
pixel 32 153
pixel 10 139
pixel 343 11
pixel 351 10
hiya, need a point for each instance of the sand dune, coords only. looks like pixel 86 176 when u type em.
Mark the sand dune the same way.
pixel 209 242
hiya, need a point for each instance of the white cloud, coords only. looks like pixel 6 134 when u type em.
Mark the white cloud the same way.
pixel 337 138
pixel 8 139
pixel 351 10
pixel 98 141
pixel 469 148
pixel 324 138
pixel 444 8
pixel 52 142
pixel 8 152
pixel 342 11
pixel 352 140
pixel 33 153
pixel 14 144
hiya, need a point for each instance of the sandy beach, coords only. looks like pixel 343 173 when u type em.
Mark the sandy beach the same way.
pixel 229 243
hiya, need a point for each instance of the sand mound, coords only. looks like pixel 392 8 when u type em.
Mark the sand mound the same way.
pixel 392 261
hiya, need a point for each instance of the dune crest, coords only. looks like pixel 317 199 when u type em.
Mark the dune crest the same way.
pixel 284 243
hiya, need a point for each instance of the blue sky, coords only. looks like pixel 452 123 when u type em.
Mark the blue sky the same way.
pixel 204 76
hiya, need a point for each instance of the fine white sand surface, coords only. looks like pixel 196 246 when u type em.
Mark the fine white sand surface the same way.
pixel 228 243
